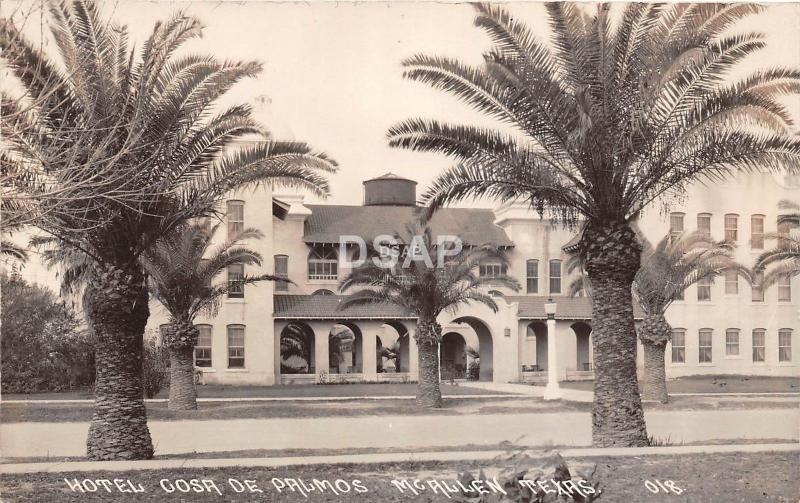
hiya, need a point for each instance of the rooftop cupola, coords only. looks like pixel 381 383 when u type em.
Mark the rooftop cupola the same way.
pixel 390 190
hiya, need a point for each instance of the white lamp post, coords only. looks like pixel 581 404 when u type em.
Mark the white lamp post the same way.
pixel 552 391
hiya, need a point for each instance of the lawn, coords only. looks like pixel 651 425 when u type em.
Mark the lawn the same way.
pixel 283 391
pixel 717 384
pixel 723 478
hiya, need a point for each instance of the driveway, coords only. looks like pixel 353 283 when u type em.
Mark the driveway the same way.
pixel 539 429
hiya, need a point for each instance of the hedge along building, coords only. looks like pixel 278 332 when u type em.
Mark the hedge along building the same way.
pixel 294 333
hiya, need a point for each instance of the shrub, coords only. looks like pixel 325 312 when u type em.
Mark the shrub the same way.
pixel 155 367
pixel 474 370
pixel 525 480
pixel 44 346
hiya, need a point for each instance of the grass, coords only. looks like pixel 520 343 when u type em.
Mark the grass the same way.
pixel 717 384
pixel 740 477
pixel 280 391
pixel 57 412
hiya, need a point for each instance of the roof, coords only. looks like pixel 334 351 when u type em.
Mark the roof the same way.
pixel 572 244
pixel 531 307
pixel 389 176
pixel 327 222
pixel 327 307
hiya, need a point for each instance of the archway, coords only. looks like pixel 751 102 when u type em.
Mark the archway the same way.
pixel 583 346
pixel 392 348
pixel 539 330
pixel 485 345
pixel 345 349
pixel 297 349
pixel 453 356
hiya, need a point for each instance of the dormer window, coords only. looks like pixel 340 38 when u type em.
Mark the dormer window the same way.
pixel 323 264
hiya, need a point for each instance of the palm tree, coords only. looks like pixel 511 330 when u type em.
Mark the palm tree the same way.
pixel 133 143
pixel 667 270
pixel 182 268
pixel 602 122
pixel 426 290
pixel 783 261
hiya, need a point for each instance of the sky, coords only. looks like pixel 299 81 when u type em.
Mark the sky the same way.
pixel 332 71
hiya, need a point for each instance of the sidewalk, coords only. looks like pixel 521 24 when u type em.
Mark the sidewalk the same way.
pixel 572 429
pixel 570 395
pixel 394 457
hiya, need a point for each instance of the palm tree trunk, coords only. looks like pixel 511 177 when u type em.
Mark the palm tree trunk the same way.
pixel 182 390
pixel 655 332
pixel 429 394
pixel 117 310
pixel 654 378
pixel 612 256
pixel 180 339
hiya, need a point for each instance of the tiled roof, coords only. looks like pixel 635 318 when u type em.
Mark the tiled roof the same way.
pixel 531 307
pixel 327 222
pixel 327 307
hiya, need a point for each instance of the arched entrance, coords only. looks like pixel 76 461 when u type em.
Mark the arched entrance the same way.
pixel 297 349
pixel 485 346
pixel 453 356
pixel 345 349
pixel 583 346
pixel 538 330
pixel 392 348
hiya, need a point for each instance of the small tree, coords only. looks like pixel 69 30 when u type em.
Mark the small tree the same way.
pixel 426 290
pixel 183 267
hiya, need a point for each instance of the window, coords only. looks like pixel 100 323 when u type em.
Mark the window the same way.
pixel 731 227
pixel 322 292
pixel 704 289
pixel 323 264
pixel 785 345
pixel 235 217
pixel 675 226
pixel 679 345
pixel 235 346
pixel 756 289
pixel 759 338
pixel 532 276
pixel 732 342
pixel 784 229
pixel 704 225
pixel 704 343
pixel 555 276
pixel 202 351
pixel 235 284
pixel 492 270
pixel 785 289
pixel 757 232
pixel 282 271
pixel 731 282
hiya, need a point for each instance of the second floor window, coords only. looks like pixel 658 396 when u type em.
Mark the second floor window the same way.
pixel 281 271
pixel 704 225
pixel 759 343
pixel 731 282
pixel 492 270
pixel 202 351
pixel 679 345
pixel 235 217
pixel 785 289
pixel 532 276
pixel 731 227
pixel 705 345
pixel 323 264
pixel 235 284
pixel 555 276
pixel 757 232
pixel 732 342
pixel 784 229
pixel 704 289
pixel 757 291
pixel 675 226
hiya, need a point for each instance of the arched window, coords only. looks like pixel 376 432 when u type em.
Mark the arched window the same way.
pixel 731 227
pixel 675 226
pixel 323 263
pixel 704 225
pixel 322 291
pixel 757 232
pixel 235 217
